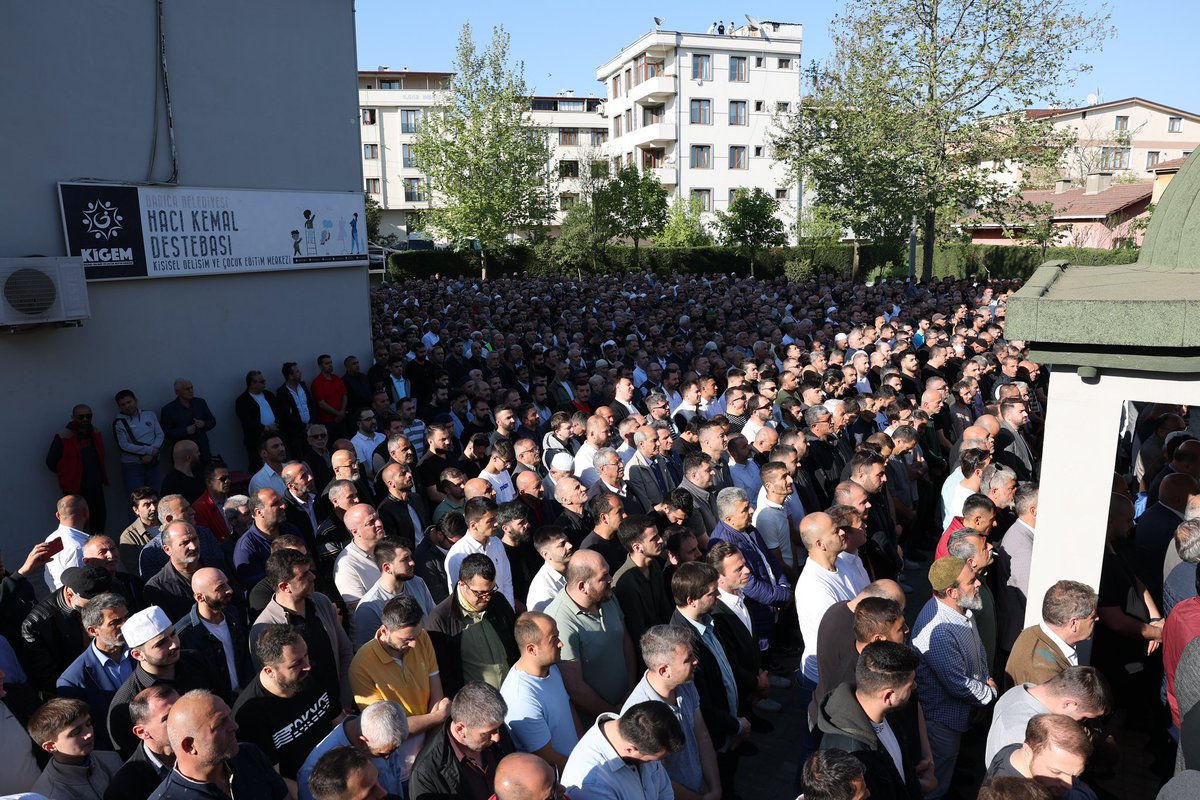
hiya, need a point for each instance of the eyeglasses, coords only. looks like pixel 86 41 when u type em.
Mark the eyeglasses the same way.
pixel 480 595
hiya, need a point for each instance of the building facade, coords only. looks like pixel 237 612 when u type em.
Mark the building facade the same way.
pixel 697 109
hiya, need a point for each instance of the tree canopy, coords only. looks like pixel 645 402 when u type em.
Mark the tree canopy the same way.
pixel 922 105
pixel 488 166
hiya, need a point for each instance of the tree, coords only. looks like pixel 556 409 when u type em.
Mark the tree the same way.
pixel 923 102
pixel 635 204
pixel 751 223
pixel 1038 228
pixel 685 227
pixel 374 216
pixel 488 166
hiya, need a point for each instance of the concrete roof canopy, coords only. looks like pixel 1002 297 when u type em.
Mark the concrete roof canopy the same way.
pixel 1142 316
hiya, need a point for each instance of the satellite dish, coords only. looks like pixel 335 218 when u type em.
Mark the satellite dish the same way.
pixel 753 22
pixel 658 21
pixel 1093 99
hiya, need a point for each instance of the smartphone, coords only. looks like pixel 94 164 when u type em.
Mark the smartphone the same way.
pixel 56 546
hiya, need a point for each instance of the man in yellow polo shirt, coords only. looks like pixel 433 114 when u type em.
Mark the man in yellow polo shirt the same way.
pixel 399 664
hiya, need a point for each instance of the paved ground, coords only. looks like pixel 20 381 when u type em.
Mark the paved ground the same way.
pixel 1138 775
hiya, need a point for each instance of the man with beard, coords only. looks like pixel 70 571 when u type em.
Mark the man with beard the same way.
pixel 100 670
pixel 513 521
pixel 282 711
pixel 217 630
pixel 153 759
pixel 438 458
pixel 171 588
pixel 953 678
pixel 204 738
pixel 854 718
pixel 397 576
pixel 154 644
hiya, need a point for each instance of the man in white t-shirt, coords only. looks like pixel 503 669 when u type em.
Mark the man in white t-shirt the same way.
pixel 555 548
pixel 495 471
pixel 771 517
pixel 820 585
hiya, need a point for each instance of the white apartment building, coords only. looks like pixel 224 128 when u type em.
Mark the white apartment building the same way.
pixel 696 109
pixel 391 106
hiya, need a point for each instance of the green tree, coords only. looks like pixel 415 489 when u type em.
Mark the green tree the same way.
pixel 685 226
pixel 922 103
pixel 635 205
pixel 1035 227
pixel 374 215
pixel 579 240
pixel 751 223
pixel 488 166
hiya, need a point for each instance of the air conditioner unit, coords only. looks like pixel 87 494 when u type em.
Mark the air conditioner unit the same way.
pixel 39 291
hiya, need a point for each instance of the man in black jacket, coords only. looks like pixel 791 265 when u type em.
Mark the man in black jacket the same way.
pixel 854 718
pixel 257 412
pixel 472 629
pixel 153 757
pixel 459 761
pixel 52 633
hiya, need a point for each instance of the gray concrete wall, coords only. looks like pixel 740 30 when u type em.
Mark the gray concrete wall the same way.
pixel 264 95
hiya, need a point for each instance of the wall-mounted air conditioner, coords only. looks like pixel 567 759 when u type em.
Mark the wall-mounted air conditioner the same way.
pixel 39 291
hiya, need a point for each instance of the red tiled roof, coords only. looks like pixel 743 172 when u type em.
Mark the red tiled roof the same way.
pixel 1043 113
pixel 1074 204
pixel 1169 166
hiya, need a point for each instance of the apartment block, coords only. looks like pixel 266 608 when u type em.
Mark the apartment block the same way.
pixel 697 110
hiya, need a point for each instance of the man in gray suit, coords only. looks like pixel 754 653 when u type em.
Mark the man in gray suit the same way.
pixel 1011 448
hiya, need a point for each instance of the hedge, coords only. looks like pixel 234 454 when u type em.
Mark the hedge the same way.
pixel 875 261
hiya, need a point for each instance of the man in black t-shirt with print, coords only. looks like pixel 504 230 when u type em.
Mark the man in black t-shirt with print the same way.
pixel 282 710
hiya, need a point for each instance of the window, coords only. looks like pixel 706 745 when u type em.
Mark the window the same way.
pixel 409 119
pixel 571 105
pixel 652 115
pixel 652 158
pixel 737 112
pixel 758 151
pixel 758 61
pixel 629 159
pixel 1152 158
pixel 646 68
pixel 701 68
pixel 370 151
pixel 568 137
pixel 368 116
pixel 412 191
pixel 616 86
pixel 407 159
pixel 567 200
pixel 599 169
pixel 737 68
pixel 568 169
pixel 703 198
pixel 629 119
pixel 781 194
pixel 783 108
pixel 785 63
pixel 733 195
pixel 701 156
pixel 599 136
pixel 701 112
pixel 737 156
pixel 1175 125
pixel 1112 158
pixel 758 105
pixel 389 84
pixel 616 127
pixel 628 79
pixel 372 185
pixel 1122 124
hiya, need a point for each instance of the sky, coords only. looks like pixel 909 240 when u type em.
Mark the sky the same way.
pixel 561 44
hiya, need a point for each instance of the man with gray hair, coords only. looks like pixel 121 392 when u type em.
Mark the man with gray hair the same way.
pixel 1080 693
pixel 380 730
pixel 187 417
pixel 823 462
pixel 1180 572
pixel 100 670
pixel 767 590
pixel 999 483
pixel 172 507
pixel 1013 559
pixel 610 472
pixel 461 759
pixel 973 547
pixel 1046 649
pixel 647 478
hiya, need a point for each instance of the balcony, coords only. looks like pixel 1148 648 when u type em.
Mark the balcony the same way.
pixel 665 174
pixel 656 135
pixel 653 91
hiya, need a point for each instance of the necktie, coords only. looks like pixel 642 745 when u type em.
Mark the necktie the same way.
pixel 662 484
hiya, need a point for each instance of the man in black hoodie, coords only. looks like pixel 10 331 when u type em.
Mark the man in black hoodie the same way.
pixel 854 718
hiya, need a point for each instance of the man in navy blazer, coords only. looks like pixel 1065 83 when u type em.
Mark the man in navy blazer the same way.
pixel 100 670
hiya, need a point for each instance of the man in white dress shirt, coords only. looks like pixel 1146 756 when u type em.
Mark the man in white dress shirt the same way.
pixel 72 515
pixel 480 515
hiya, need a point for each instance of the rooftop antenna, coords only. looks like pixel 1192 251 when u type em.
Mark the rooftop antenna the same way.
pixel 754 25
pixel 1093 99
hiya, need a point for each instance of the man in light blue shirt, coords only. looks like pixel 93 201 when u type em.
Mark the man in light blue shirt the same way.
pixel 620 758
pixel 381 728
pixel 540 716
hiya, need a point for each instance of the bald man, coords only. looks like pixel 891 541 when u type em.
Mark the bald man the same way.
pixel 203 735
pixel 524 776
pixel 187 475
pixel 478 487
pixel 598 434
pixel 355 569
pixel 822 583
pixel 216 629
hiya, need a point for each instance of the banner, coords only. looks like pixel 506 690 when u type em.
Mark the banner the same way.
pixel 125 231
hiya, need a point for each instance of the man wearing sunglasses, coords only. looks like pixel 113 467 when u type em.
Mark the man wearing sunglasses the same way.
pixel 77 457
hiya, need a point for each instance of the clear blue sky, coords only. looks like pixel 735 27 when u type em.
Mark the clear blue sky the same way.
pixel 563 43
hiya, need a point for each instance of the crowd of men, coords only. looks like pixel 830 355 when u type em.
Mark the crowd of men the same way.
pixel 565 535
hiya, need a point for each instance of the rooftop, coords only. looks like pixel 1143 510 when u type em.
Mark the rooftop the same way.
pixel 1074 204
pixel 1044 113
